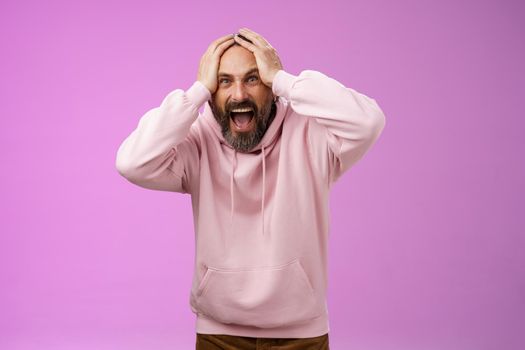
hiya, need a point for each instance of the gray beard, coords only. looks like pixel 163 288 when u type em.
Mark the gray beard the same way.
pixel 244 142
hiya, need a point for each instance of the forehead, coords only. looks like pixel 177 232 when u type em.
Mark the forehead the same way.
pixel 237 61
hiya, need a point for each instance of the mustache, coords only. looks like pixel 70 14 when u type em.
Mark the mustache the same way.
pixel 244 104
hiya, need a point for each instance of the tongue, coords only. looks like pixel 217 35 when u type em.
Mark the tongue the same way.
pixel 242 119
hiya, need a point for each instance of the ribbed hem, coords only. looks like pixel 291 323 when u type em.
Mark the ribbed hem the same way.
pixel 198 93
pixel 282 84
pixel 313 328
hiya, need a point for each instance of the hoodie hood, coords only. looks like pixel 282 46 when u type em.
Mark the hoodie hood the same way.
pixel 268 140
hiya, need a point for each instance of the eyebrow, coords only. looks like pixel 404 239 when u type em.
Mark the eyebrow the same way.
pixel 253 70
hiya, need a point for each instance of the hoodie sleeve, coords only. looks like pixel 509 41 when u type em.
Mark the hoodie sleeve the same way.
pixel 163 148
pixel 344 123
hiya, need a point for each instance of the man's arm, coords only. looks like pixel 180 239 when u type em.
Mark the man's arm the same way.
pixel 162 150
pixel 156 154
pixel 345 123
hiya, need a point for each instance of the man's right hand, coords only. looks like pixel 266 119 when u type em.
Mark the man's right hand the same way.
pixel 209 64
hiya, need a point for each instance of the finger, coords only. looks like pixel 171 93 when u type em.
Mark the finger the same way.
pixel 222 47
pixel 253 36
pixel 248 30
pixel 222 38
pixel 219 41
pixel 245 44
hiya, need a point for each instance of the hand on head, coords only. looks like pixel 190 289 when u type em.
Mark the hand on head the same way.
pixel 268 61
pixel 266 56
pixel 209 63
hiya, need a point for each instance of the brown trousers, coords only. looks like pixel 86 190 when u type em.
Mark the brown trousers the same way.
pixel 233 342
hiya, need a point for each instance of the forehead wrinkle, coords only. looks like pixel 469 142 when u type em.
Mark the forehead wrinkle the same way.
pixel 251 70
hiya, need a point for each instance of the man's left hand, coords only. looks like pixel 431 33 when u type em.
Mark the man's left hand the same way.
pixel 268 61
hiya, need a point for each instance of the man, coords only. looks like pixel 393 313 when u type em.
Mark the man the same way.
pixel 258 163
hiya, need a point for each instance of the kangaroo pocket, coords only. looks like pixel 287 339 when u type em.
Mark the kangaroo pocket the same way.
pixel 262 297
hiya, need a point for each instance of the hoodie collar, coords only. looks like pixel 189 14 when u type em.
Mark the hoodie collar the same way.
pixel 268 139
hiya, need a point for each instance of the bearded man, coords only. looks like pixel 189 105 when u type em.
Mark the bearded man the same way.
pixel 258 163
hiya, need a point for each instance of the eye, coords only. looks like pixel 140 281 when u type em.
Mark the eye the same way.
pixel 223 79
pixel 252 78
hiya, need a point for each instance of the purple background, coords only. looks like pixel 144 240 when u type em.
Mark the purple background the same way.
pixel 427 244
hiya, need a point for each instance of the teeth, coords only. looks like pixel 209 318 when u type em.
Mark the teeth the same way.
pixel 238 110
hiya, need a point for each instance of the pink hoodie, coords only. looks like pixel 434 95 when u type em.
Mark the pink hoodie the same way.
pixel 261 218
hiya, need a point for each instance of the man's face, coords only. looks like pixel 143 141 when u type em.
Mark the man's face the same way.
pixel 240 88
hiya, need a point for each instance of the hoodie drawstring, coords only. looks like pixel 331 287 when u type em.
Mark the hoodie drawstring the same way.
pixel 234 163
pixel 263 187
pixel 263 190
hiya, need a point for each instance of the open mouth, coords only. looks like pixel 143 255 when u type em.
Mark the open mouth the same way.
pixel 243 118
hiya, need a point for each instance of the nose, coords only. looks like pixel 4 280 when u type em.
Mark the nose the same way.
pixel 239 92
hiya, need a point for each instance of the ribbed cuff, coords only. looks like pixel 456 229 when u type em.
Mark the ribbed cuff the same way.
pixel 282 84
pixel 198 93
